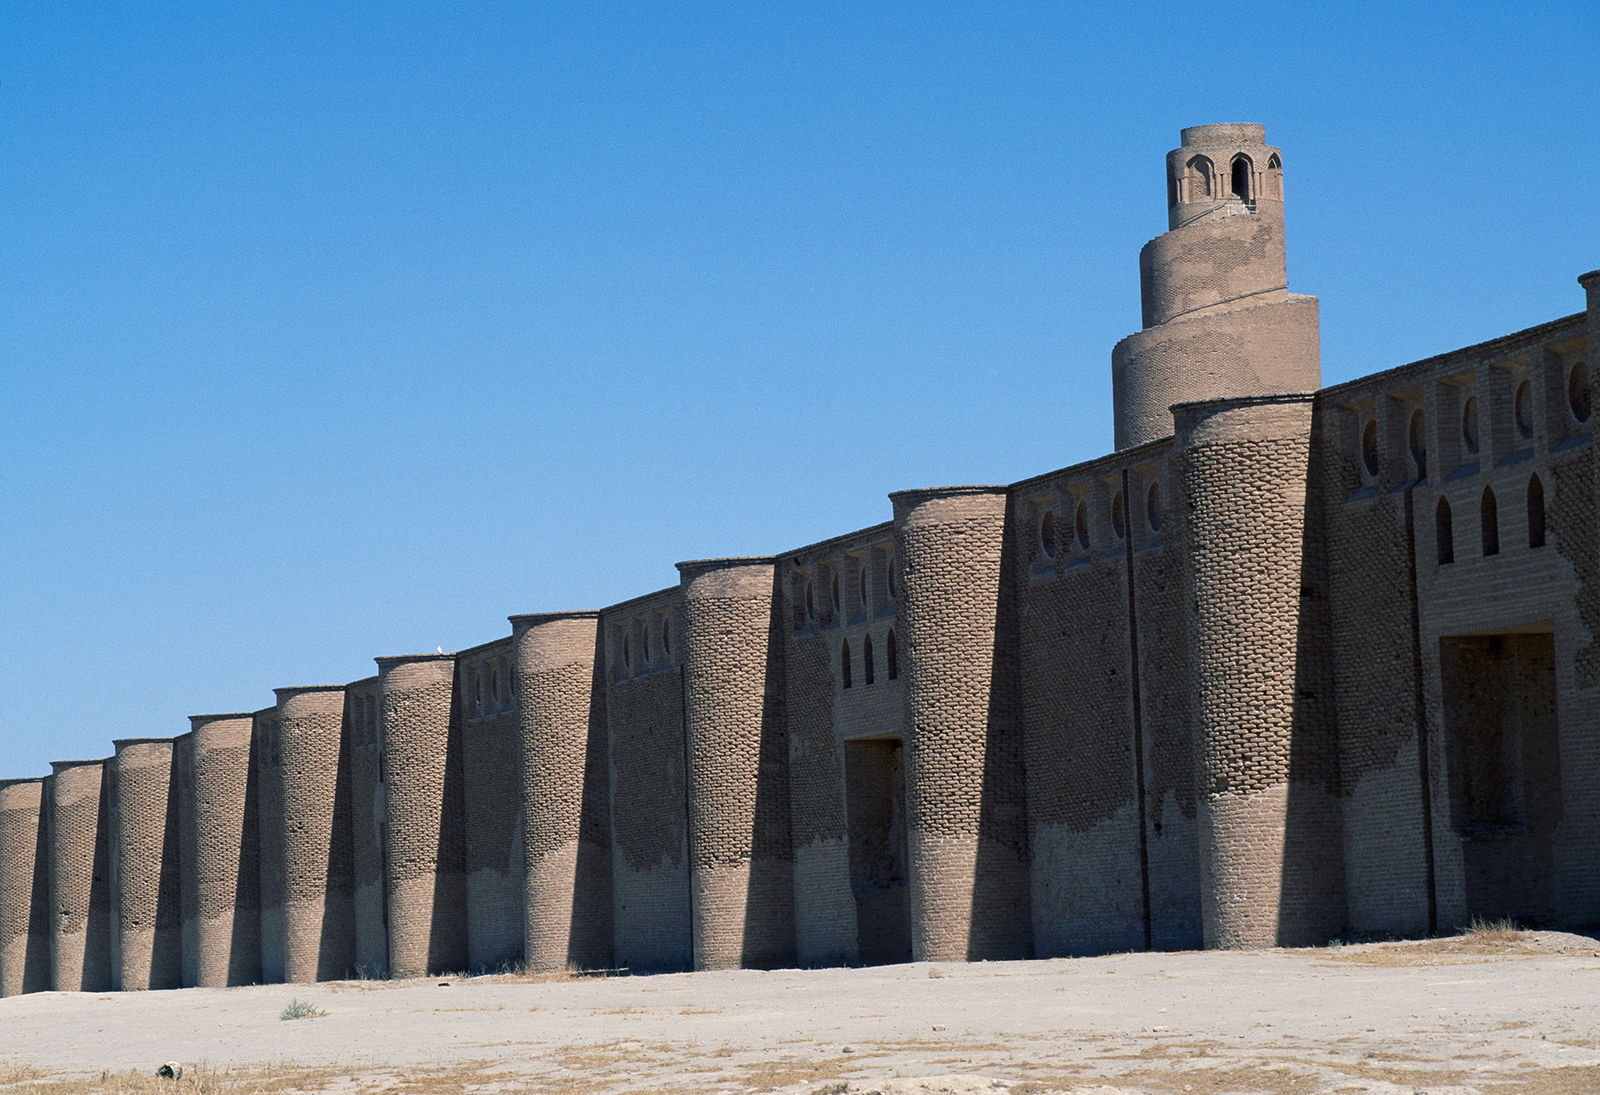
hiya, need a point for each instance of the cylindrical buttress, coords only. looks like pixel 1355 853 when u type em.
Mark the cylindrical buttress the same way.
pixel 80 877
pixel 318 915
pixel 966 810
pixel 1270 854
pixel 741 869
pixel 24 889
pixel 426 883
pixel 565 791
pixel 227 935
pixel 146 866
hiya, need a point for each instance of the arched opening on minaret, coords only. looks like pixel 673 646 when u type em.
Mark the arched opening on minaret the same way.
pixel 1239 179
pixel 1197 179
pixel 1274 184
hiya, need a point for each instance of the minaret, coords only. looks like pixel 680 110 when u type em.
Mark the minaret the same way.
pixel 1219 320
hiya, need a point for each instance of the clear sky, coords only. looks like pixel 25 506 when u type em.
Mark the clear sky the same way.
pixel 341 330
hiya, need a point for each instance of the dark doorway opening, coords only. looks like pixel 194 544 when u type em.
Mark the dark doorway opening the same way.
pixel 875 796
pixel 1239 179
pixel 1505 769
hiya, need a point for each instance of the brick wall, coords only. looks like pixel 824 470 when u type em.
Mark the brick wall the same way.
pixel 1269 823
pixel 226 903
pixel 741 868
pixel 492 792
pixel 314 834
pixel 566 791
pixel 966 805
pixel 80 877
pixel 24 889
pixel 267 747
pixel 423 794
pixel 146 868
pixel 649 795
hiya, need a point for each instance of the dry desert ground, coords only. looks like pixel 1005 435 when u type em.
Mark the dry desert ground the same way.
pixel 1508 1013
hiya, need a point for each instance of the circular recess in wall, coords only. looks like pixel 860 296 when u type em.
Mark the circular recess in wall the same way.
pixel 644 642
pixel 1152 507
pixel 1047 534
pixel 1580 395
pixel 627 652
pixel 494 687
pixel 1522 409
pixel 1417 441
pixel 861 585
pixel 1080 525
pixel 1119 516
pixel 811 600
pixel 1469 424
pixel 1369 446
pixel 666 637
pixel 833 594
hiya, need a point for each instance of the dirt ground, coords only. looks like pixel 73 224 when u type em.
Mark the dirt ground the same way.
pixel 1508 1013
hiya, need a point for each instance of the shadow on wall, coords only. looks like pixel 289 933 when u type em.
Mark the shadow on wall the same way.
pixel 589 939
pixel 1312 901
pixel 244 943
pixel 336 947
pixel 166 945
pixel 97 952
pixel 1001 912
pixel 447 918
pixel 36 957
pixel 769 941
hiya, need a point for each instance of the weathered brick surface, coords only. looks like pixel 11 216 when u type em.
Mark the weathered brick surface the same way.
pixel 24 889
pixel 226 902
pixel 146 867
pixel 1219 320
pixel 267 747
pixel 566 795
pixel 648 769
pixel 80 876
pixel 851 903
pixel 1282 667
pixel 1271 873
pixel 965 799
pixel 492 792
pixel 423 795
pixel 368 821
pixel 741 867
pixel 318 913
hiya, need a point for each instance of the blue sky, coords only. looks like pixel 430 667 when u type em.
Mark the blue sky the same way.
pixel 334 331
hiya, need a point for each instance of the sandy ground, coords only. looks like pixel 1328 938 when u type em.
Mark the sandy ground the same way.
pixel 1515 1014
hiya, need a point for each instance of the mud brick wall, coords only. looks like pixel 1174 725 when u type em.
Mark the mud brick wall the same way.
pixel 1079 730
pixel 146 867
pixel 493 790
pixel 267 745
pixel 850 891
pixel 80 877
pixel 24 889
pixel 1166 712
pixel 1575 534
pixel 188 859
pixel 649 811
pixel 421 754
pixel 1372 605
pixel 318 913
pixel 565 801
pixel 367 823
pixel 825 910
pixel 966 804
pixel 1269 821
pixel 741 868
pixel 226 904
